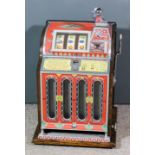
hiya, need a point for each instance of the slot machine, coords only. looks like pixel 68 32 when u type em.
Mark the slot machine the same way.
pixel 76 79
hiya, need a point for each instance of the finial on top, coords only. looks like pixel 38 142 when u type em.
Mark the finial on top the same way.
pixel 98 15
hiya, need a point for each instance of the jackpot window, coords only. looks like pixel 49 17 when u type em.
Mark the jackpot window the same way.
pixel 71 41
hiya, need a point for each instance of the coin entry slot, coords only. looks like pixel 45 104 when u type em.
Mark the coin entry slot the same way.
pixel 75 65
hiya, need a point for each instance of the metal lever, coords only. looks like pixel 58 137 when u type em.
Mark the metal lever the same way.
pixel 120 44
pixel 118 53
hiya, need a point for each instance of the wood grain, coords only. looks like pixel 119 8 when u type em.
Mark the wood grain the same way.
pixel 111 144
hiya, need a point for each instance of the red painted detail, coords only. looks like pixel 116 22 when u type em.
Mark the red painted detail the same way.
pixel 101 34
pixel 105 54
pixel 67 126
pixel 86 54
pixel 97 128
pixel 44 78
pixel 99 19
pixel 81 127
pixel 50 126
pixel 104 104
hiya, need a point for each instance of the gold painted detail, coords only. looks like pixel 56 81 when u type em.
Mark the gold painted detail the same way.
pixel 74 75
pixel 89 75
pixel 59 98
pixel 93 66
pixel 58 74
pixel 57 64
pixel 89 99
pixel 81 77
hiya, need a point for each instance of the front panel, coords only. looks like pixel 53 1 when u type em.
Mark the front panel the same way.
pixel 79 102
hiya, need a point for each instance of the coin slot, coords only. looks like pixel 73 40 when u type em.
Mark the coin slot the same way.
pixel 75 65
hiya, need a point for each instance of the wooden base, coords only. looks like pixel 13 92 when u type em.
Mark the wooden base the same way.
pixel 77 142
pixel 36 140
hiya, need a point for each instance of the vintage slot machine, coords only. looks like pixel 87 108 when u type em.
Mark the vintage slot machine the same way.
pixel 76 79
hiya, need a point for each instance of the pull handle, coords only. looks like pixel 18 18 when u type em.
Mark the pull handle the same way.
pixel 118 53
pixel 120 44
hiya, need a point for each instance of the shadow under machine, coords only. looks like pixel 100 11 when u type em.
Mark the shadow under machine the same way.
pixel 76 79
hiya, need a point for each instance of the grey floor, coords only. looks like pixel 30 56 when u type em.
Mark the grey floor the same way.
pixel 123 137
